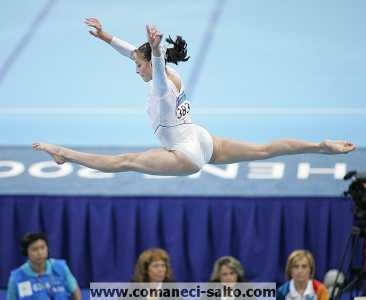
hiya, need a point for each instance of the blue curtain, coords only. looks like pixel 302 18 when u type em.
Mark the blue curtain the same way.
pixel 101 237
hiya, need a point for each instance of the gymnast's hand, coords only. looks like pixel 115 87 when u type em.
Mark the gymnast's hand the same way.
pixel 336 147
pixel 94 22
pixel 154 38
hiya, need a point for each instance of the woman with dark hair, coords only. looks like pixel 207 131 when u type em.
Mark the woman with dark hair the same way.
pixel 41 277
pixel 185 146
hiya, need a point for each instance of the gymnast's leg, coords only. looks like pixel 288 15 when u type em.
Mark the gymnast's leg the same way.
pixel 230 151
pixel 155 162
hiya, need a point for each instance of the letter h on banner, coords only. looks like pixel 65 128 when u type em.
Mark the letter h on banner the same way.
pixel 304 170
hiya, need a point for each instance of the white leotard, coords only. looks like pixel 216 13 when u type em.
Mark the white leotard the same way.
pixel 169 111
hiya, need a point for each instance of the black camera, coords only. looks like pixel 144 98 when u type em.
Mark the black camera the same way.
pixel 357 191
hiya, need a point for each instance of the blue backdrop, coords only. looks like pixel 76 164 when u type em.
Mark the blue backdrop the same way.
pixel 101 237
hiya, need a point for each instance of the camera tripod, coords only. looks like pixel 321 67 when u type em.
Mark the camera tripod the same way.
pixel 357 275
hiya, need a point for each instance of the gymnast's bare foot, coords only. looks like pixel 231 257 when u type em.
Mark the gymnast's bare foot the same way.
pixel 54 151
pixel 337 147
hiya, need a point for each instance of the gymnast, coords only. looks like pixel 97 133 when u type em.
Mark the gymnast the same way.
pixel 185 146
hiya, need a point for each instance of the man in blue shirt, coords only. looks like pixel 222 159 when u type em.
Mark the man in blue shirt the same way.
pixel 41 278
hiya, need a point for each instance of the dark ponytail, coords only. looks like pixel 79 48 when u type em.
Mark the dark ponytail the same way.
pixel 174 54
pixel 178 52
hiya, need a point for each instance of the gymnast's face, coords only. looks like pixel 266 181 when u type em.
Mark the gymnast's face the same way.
pixel 143 67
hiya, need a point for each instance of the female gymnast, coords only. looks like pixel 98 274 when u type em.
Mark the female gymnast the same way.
pixel 185 146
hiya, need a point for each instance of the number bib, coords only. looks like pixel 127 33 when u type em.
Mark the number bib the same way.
pixel 183 107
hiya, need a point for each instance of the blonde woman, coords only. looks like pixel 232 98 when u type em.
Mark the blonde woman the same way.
pixel 228 270
pixel 300 270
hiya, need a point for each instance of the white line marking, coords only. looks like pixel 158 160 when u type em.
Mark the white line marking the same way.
pixel 222 111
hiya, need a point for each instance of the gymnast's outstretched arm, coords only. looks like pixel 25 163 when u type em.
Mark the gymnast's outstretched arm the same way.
pixel 159 76
pixel 123 47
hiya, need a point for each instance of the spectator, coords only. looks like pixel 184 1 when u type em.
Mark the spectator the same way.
pixel 41 278
pixel 153 265
pixel 227 271
pixel 153 269
pixel 300 270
